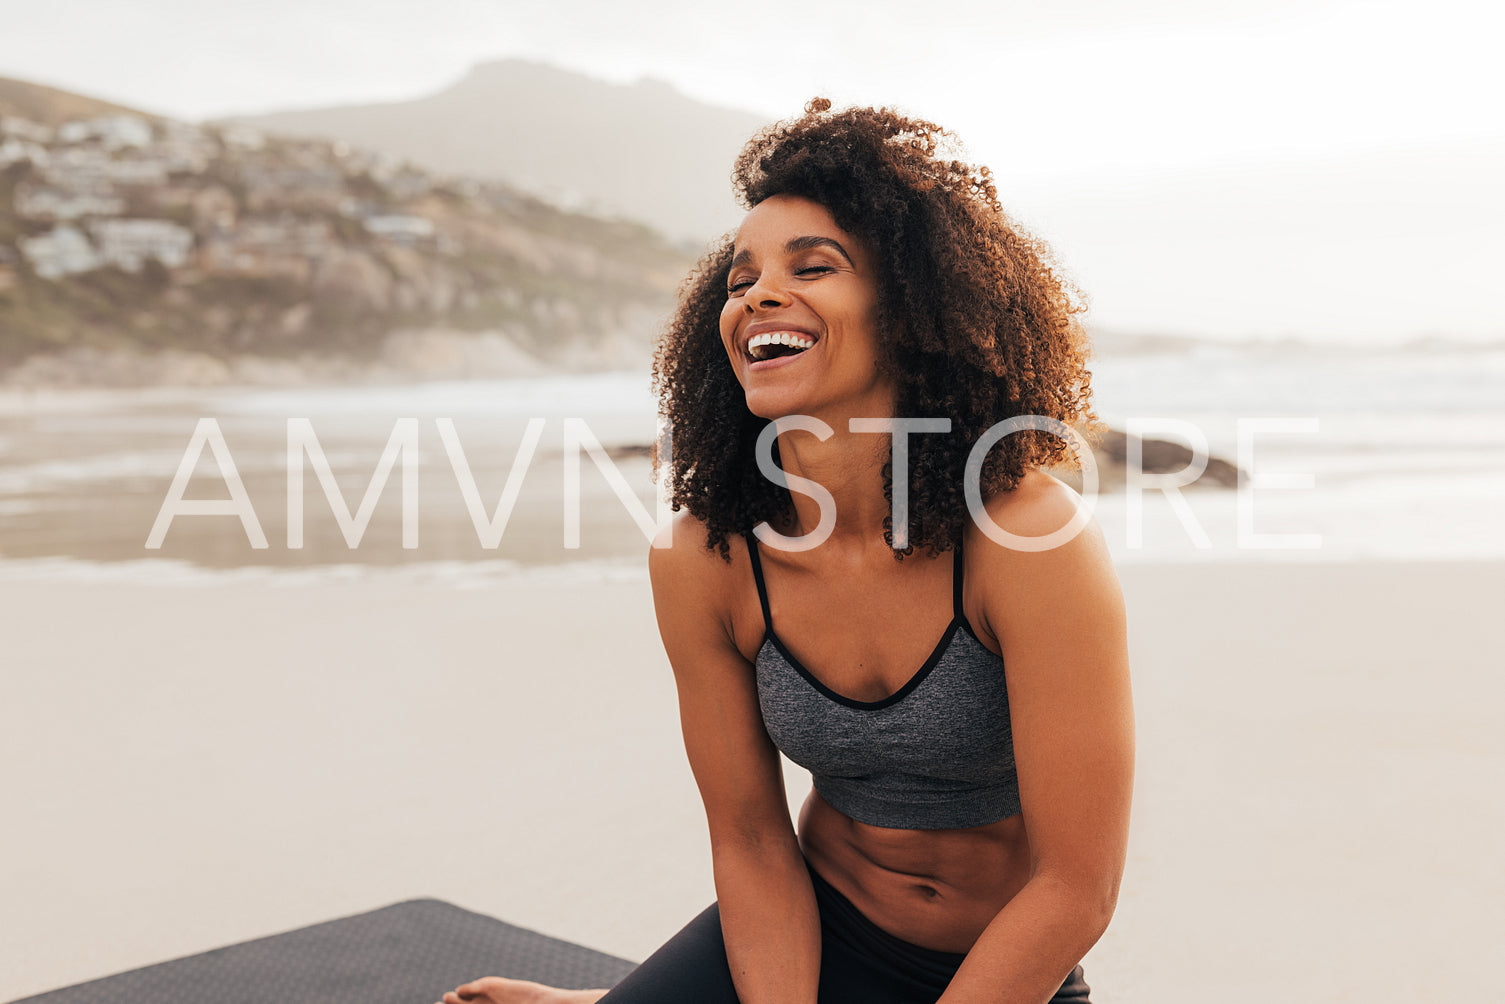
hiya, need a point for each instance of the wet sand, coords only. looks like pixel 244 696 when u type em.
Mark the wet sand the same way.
pixel 189 765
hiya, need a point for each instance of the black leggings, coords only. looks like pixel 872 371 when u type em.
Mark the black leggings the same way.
pixel 859 964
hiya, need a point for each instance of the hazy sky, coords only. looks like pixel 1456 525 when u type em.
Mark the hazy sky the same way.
pixel 1087 84
pixel 1058 97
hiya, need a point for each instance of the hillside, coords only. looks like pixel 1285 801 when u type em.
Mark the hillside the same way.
pixel 550 131
pixel 49 106
pixel 124 233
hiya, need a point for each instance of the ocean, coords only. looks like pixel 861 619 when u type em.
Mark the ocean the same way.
pixel 1391 452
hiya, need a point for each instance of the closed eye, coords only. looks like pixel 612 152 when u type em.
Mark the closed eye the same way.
pixel 809 270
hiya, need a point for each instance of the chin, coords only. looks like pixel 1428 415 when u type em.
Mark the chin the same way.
pixel 770 403
pixel 759 405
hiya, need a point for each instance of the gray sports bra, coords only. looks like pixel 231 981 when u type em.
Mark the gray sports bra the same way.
pixel 935 754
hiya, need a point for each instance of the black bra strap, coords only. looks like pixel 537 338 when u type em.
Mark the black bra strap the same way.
pixel 956 583
pixel 757 567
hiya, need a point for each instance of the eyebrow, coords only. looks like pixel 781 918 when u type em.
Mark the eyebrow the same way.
pixel 795 245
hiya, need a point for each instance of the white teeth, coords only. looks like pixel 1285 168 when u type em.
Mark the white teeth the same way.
pixel 789 338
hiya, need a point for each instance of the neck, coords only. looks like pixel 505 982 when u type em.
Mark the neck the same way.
pixel 849 465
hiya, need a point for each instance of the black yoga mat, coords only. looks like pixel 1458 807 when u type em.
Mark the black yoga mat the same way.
pixel 407 953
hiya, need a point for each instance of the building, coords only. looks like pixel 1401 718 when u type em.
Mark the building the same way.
pixel 18 128
pixel 77 168
pixel 137 171
pixel 128 244
pixel 396 228
pixel 13 150
pixel 64 250
pixel 40 203
pixel 268 247
pixel 113 132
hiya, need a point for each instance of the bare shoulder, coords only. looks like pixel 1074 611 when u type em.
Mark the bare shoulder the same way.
pixel 1016 575
pixel 679 555
pixel 1038 505
pixel 691 579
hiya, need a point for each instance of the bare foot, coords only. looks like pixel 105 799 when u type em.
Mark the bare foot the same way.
pixel 497 990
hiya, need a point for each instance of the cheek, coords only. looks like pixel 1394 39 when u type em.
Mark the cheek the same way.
pixel 728 328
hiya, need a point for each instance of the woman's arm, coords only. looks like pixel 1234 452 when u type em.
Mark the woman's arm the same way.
pixel 1060 621
pixel 768 914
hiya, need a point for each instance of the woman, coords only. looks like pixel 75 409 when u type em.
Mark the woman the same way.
pixel 967 828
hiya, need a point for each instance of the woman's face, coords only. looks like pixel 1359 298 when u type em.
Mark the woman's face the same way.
pixel 800 321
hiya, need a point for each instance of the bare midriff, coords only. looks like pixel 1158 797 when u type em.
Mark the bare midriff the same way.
pixel 933 888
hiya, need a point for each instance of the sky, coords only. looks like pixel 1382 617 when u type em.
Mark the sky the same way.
pixel 1092 102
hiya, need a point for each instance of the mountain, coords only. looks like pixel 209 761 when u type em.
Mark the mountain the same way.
pixel 52 107
pixel 642 151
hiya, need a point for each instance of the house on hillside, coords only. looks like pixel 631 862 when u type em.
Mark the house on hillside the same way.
pixel 113 132
pixel 15 127
pixel 64 250
pixel 38 202
pixel 13 150
pixel 78 168
pixel 142 172
pixel 127 244
pixel 268 247
pixel 400 229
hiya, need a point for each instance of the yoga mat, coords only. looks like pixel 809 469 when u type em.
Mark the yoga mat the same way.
pixel 407 953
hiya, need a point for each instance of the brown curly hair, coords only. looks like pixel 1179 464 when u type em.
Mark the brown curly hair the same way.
pixel 974 324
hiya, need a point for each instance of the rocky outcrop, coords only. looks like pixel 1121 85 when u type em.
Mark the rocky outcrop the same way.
pixel 1158 456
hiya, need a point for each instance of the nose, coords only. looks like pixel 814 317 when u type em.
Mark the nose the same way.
pixel 765 292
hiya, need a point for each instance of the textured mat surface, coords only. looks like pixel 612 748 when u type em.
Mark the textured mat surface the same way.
pixel 407 953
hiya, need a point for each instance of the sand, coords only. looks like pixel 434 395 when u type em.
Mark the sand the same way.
pixel 1317 817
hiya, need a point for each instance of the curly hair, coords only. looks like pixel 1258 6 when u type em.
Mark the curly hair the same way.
pixel 974 324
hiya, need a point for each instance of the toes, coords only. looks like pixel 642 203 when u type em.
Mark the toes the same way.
pixel 475 991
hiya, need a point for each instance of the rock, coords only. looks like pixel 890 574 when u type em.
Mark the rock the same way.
pixel 1159 456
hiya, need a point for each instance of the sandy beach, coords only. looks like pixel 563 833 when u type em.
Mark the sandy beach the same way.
pixel 187 766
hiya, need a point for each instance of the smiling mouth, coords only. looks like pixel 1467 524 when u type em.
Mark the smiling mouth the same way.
pixel 777 343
